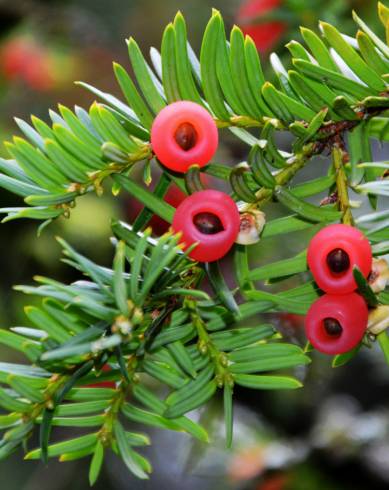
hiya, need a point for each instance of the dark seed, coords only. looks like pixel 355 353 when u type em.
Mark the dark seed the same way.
pixel 208 223
pixel 338 260
pixel 186 136
pixel 332 327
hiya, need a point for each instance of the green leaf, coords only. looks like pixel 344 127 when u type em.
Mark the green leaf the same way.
pixel 18 187
pixel 383 340
pixel 83 408
pixel 145 215
pixel 186 82
pixel 181 356
pixel 43 320
pixel 263 382
pixel 342 359
pixel 286 108
pixel 132 96
pixel 79 349
pixel 313 187
pixel 10 420
pixel 228 413
pixel 370 54
pixel 78 127
pixel 220 287
pixel 255 74
pixel 155 204
pixel 119 283
pixel 319 49
pixel 351 58
pixel 264 351
pixel 173 334
pixel 110 129
pixel 239 74
pixel 239 185
pixel 76 444
pixel 364 288
pixel 281 268
pixel 261 172
pixel 90 394
pixel 143 76
pixel 25 389
pixel 202 379
pixel 376 40
pixel 269 364
pixel 241 337
pixel 30 348
pixel 91 421
pixel 96 463
pixel 208 62
pixel 164 373
pixel 127 453
pixel 136 266
pixel 147 398
pixel 332 79
pixel 304 209
pixel 169 65
pixel 12 404
pixel 297 50
pixel 191 403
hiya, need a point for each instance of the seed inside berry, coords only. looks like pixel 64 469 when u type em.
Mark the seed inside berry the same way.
pixel 208 223
pixel 338 260
pixel 332 327
pixel 186 136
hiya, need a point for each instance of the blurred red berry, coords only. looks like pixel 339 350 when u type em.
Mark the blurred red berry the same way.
pixel 265 35
pixel 275 482
pixel 174 196
pixel 184 134
pixel 292 320
pixel 211 219
pixel 25 60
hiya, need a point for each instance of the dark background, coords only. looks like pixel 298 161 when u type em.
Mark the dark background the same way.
pixel 333 434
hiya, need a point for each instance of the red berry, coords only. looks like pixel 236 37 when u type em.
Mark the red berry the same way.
pixel 184 134
pixel 332 254
pixel 22 58
pixel 335 324
pixel 210 218
pixel 267 34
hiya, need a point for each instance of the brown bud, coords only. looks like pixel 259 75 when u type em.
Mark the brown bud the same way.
pixel 251 226
pixel 379 275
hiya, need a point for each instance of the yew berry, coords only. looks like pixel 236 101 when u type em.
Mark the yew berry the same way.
pixel 23 59
pixel 264 34
pixel 210 218
pixel 332 254
pixel 184 134
pixel 336 323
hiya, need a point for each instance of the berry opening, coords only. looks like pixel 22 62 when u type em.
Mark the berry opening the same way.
pixel 208 223
pixel 338 261
pixel 332 327
pixel 186 136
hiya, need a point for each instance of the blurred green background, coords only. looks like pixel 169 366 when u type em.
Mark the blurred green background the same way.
pixel 334 434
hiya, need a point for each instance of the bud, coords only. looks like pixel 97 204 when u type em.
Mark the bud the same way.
pixel 251 226
pixel 378 319
pixel 379 275
pixel 122 325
